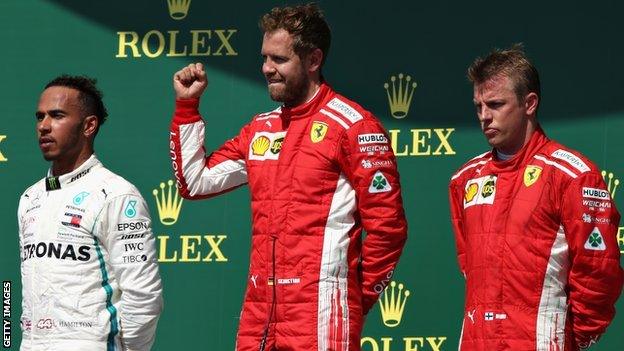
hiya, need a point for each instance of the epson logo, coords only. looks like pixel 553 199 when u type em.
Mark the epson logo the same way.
pixel 55 250
pixel 593 193
pixel 132 226
pixel 376 138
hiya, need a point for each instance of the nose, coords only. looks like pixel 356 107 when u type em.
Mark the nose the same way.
pixel 484 114
pixel 267 67
pixel 44 125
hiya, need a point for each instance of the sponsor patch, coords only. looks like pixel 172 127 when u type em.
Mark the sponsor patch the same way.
pixel 531 175
pixel 72 220
pixel 347 111
pixel 122 227
pixel 318 131
pixel 480 191
pixel 587 218
pixel 372 138
pixel 376 164
pixel 593 193
pixel 571 159
pixel 595 241
pixel 266 146
pixel 130 210
pixel 371 149
pixel 79 198
pixel 132 236
pixel 379 184
pixel 596 204
pixel 134 258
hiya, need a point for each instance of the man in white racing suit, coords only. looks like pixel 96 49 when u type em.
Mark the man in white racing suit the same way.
pixel 89 269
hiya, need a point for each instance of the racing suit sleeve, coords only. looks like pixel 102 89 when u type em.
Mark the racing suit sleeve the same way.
pixel 590 221
pixel 456 200
pixel 375 179
pixel 127 236
pixel 199 176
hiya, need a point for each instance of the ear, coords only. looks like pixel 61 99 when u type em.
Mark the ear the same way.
pixel 315 59
pixel 531 101
pixel 90 125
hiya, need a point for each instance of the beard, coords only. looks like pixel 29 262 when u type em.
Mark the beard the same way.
pixel 290 92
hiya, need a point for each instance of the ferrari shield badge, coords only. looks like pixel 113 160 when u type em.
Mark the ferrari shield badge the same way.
pixel 318 131
pixel 531 175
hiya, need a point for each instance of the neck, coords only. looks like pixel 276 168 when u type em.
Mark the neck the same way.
pixel 311 89
pixel 523 138
pixel 60 167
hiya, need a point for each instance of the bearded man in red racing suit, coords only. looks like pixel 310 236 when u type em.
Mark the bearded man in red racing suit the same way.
pixel 320 171
pixel 535 225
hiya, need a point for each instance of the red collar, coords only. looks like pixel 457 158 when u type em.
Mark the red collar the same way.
pixel 524 156
pixel 321 98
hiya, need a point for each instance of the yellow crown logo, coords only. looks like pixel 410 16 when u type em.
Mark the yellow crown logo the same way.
pixel 178 9
pixel 612 184
pixel 168 205
pixel 392 306
pixel 260 145
pixel 400 98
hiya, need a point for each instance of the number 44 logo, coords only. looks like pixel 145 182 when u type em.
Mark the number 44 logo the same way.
pixel 45 323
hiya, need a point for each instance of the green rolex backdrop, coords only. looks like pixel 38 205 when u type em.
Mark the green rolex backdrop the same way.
pixel 403 60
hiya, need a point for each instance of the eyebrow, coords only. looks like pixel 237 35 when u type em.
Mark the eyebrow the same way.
pixel 54 111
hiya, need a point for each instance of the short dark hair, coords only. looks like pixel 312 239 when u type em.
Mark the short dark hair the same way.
pixel 512 63
pixel 90 97
pixel 305 23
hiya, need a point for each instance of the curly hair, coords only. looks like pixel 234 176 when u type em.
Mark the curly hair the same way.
pixel 305 23
pixel 90 97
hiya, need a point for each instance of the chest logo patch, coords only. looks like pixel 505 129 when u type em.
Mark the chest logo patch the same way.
pixel 471 191
pixel 480 191
pixel 260 146
pixel 595 241
pixel 266 145
pixel 318 131
pixel 531 175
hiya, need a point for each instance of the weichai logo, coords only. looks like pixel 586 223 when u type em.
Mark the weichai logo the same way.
pixel 174 42
pixel 207 248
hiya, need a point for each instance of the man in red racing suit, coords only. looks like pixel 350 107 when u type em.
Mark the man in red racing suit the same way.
pixel 535 228
pixel 320 171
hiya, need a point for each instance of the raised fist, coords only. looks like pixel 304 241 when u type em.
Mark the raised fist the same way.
pixel 190 82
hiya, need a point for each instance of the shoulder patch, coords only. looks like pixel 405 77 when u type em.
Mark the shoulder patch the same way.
pixel 471 164
pixel 268 115
pixel 572 159
pixel 345 110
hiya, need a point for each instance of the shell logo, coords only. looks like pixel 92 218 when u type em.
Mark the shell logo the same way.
pixel 472 190
pixel 260 145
